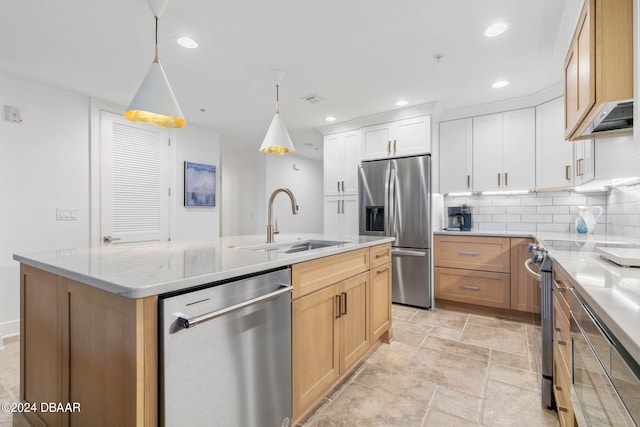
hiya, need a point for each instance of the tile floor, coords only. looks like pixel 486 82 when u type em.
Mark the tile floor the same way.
pixel 444 368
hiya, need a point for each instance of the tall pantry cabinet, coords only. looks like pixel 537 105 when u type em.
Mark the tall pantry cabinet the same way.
pixel 341 158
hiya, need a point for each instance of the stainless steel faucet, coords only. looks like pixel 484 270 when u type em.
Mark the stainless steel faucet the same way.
pixel 294 210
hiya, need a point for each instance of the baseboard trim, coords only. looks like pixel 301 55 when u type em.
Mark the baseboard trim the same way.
pixel 9 329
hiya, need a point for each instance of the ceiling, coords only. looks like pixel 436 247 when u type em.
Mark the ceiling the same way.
pixel 358 56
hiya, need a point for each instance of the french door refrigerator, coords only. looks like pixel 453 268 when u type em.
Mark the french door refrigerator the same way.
pixel 395 200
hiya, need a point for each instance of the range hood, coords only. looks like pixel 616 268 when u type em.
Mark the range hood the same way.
pixel 614 118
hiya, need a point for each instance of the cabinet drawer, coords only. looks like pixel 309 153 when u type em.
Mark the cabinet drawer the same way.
pixel 473 253
pixel 316 274
pixel 561 332
pixel 562 391
pixel 379 255
pixel 562 285
pixel 474 287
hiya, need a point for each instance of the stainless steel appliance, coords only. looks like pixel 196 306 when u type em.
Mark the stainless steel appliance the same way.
pixel 395 200
pixel 540 257
pixel 459 218
pixel 606 379
pixel 226 354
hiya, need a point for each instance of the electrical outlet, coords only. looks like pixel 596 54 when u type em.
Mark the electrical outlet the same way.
pixel 66 214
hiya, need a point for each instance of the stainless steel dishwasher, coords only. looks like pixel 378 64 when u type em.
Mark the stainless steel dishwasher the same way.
pixel 225 355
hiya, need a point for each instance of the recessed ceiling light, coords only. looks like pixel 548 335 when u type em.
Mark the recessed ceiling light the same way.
pixel 330 119
pixel 401 103
pixel 496 29
pixel 499 84
pixel 187 42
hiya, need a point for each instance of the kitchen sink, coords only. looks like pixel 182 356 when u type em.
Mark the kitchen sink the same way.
pixel 293 247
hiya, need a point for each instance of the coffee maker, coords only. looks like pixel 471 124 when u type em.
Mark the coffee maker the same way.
pixel 459 217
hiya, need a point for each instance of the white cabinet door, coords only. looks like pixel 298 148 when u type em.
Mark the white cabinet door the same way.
pixel 487 153
pixel 411 136
pixel 341 215
pixel 554 155
pixel 376 141
pixel 519 149
pixel 341 157
pixel 583 166
pixel 400 138
pixel 455 156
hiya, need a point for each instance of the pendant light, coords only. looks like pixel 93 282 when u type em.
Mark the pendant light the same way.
pixel 277 140
pixel 154 102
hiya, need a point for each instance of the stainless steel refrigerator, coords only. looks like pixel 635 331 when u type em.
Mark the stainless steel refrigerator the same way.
pixel 395 200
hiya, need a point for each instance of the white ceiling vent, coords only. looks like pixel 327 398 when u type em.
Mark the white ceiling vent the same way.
pixel 313 99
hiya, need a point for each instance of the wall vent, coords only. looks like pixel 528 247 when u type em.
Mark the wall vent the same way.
pixel 312 99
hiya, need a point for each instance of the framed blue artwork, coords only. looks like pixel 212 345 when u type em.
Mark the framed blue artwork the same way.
pixel 199 184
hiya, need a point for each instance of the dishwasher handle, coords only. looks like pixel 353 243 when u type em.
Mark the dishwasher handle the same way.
pixel 187 322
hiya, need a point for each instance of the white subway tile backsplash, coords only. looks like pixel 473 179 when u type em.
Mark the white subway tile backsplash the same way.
pixel 570 200
pixel 538 201
pixel 506 218
pixel 507 201
pixel 537 218
pixel 493 210
pixel 492 226
pixel 521 226
pixel 519 210
pixel 567 219
pixel 561 228
pixel 557 210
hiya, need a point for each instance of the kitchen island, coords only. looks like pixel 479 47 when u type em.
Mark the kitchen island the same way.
pixel 89 317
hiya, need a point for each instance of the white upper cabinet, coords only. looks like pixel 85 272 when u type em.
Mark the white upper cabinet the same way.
pixel 341 158
pixel 395 139
pixel 560 163
pixel 504 151
pixel 455 156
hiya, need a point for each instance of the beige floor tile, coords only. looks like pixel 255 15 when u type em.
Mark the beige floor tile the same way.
pixel 451 370
pixel 519 361
pixel 493 322
pixel 436 418
pixel 496 338
pixel 393 357
pixel 462 349
pixel 359 405
pixel 518 377
pixel 456 403
pixel 438 317
pixel 508 405
pixel 400 384
pixel 402 312
pixel 446 333
pixel 410 332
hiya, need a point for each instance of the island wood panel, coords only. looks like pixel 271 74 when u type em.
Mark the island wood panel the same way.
pixel 380 301
pixel 473 252
pixel 313 275
pixel 315 347
pixel 106 345
pixel 355 324
pixel 525 289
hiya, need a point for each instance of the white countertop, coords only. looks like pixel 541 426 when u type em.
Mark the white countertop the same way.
pixel 138 270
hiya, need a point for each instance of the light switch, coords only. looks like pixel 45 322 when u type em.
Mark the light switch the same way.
pixel 66 214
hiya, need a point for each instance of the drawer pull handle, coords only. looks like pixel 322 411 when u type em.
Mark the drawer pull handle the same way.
pixel 470 287
pixel 468 253
pixel 561 342
pixel 563 409
pixel 344 305
pixel 558 329
pixel 381 255
pixel 381 271
pixel 558 388
pixel 338 300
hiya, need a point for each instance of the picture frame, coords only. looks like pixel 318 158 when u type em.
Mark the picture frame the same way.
pixel 199 185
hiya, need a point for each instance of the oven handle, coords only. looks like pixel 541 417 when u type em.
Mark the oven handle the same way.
pixel 527 265
pixel 186 322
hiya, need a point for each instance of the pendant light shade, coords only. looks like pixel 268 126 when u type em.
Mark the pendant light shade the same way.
pixel 155 102
pixel 277 140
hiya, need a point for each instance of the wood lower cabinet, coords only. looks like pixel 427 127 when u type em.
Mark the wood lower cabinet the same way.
pixel 485 271
pixel 336 322
pixel 83 345
pixel 562 349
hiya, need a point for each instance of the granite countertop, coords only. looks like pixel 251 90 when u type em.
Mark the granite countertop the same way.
pixel 139 270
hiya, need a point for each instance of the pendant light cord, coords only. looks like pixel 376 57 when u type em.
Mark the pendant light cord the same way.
pixel 277 99
pixel 156 58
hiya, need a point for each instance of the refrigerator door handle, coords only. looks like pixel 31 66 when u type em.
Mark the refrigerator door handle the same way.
pixel 406 252
pixel 391 202
pixel 387 213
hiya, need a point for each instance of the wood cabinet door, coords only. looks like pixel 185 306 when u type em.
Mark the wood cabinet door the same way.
pixel 380 301
pixel 519 149
pixel 525 290
pixel 487 153
pixel 355 332
pixel 315 345
pixel 456 139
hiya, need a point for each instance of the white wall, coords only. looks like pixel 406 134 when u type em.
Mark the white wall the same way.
pixel 44 165
pixel 304 177
pixel 243 210
pixel 199 146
